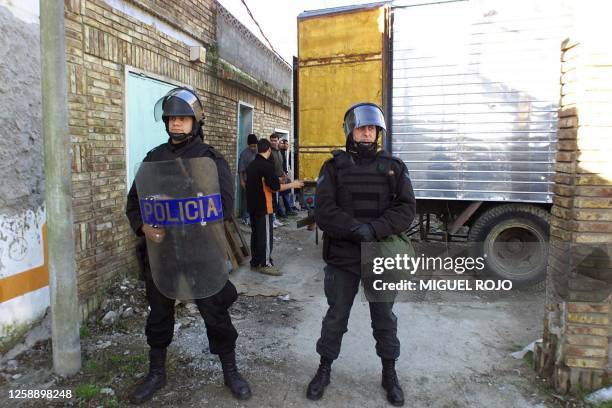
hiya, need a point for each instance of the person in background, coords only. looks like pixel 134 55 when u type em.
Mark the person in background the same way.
pixel 261 184
pixel 278 169
pixel 246 157
pixel 286 196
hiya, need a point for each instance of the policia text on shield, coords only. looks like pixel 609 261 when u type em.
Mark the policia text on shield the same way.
pixel 190 210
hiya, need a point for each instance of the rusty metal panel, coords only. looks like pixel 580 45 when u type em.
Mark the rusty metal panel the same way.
pixel 326 91
pixel 351 32
pixel 340 63
pixel 311 162
pixel 475 109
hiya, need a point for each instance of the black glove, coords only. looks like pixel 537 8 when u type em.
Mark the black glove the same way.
pixel 363 233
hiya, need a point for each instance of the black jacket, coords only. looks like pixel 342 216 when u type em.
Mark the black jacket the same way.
pixel 336 222
pixel 261 182
pixel 188 150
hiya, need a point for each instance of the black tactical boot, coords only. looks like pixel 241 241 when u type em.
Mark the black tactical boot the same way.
pixel 390 383
pixel 155 380
pixel 320 380
pixel 232 378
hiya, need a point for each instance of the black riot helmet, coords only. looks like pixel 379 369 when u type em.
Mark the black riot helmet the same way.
pixel 358 115
pixel 363 114
pixel 180 102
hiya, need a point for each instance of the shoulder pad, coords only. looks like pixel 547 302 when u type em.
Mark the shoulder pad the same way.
pixel 155 150
pixel 328 162
pixel 342 159
pixel 158 147
pixel 390 165
pixel 386 156
pixel 398 161
pixel 210 151
pixel 337 152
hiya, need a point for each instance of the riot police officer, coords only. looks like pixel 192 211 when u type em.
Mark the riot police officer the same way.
pixel 362 195
pixel 181 111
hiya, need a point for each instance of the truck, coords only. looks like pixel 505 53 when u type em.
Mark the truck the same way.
pixel 470 91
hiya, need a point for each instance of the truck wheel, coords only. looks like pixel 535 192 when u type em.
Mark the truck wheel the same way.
pixel 514 241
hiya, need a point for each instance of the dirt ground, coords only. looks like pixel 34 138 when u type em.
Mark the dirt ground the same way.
pixel 456 350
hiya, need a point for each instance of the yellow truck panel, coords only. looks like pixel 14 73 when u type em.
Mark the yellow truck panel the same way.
pixel 337 34
pixel 328 90
pixel 312 160
pixel 341 62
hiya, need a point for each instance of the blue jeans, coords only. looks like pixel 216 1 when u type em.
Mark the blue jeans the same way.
pixel 277 209
pixel 285 197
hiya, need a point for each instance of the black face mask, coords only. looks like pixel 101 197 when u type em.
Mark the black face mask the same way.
pixel 179 137
pixel 366 150
pixel 363 150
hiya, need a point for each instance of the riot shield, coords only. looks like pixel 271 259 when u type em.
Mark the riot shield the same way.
pixel 182 198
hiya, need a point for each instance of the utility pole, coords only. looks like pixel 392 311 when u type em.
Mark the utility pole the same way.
pixel 58 191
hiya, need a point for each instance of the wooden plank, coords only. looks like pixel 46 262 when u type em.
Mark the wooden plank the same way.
pixel 236 243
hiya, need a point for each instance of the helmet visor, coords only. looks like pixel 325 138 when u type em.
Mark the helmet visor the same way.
pixel 186 96
pixel 364 115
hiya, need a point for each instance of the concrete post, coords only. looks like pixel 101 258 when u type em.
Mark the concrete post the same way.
pixel 58 196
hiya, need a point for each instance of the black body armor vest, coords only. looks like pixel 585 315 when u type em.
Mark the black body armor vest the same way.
pixel 365 189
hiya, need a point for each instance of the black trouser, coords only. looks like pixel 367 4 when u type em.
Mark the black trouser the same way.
pixel 261 240
pixel 341 286
pixel 220 331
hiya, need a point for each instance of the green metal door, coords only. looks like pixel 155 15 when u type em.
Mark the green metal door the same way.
pixel 143 133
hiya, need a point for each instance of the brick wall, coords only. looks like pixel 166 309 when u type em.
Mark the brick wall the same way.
pixel 196 17
pixel 100 41
pixel 575 352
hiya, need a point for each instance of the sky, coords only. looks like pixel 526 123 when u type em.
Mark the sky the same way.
pixel 278 19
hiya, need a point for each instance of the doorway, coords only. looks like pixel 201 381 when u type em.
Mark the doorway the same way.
pixel 244 128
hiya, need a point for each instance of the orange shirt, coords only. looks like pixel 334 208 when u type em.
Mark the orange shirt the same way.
pixel 261 182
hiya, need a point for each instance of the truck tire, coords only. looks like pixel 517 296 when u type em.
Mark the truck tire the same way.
pixel 514 241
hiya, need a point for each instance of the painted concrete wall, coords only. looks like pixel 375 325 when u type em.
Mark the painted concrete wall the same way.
pixel 24 293
pixel 237 45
